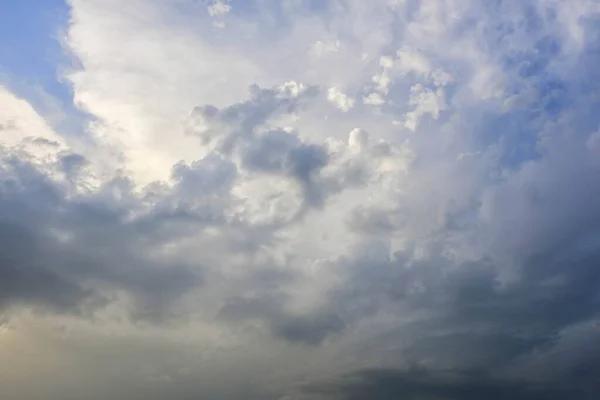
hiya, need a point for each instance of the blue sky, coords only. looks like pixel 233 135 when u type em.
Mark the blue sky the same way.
pixel 30 52
pixel 299 200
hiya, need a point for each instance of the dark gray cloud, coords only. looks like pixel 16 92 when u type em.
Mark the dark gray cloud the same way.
pixel 241 131
pixel 531 277
pixel 300 329
pixel 228 126
pixel 468 317
pixel 283 153
pixel 417 384
pixel 59 251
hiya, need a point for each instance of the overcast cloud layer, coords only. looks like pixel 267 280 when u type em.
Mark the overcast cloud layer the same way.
pixel 306 200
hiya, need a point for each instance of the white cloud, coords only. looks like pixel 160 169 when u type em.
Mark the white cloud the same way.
pixel 20 126
pixel 219 8
pixel 340 99
pixel 374 99
pixel 425 101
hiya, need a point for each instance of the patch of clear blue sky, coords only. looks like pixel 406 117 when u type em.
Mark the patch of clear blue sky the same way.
pixel 31 56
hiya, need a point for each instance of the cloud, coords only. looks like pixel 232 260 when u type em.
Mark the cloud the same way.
pixel 417 384
pixel 57 248
pixel 292 200
pixel 339 99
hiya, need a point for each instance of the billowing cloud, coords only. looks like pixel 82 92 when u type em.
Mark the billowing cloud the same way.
pixel 308 200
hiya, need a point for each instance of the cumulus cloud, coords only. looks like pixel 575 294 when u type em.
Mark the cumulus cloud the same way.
pixel 304 200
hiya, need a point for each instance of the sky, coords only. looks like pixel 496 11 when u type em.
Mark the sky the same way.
pixel 299 199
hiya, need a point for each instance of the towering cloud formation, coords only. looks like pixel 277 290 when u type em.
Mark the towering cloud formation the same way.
pixel 299 200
